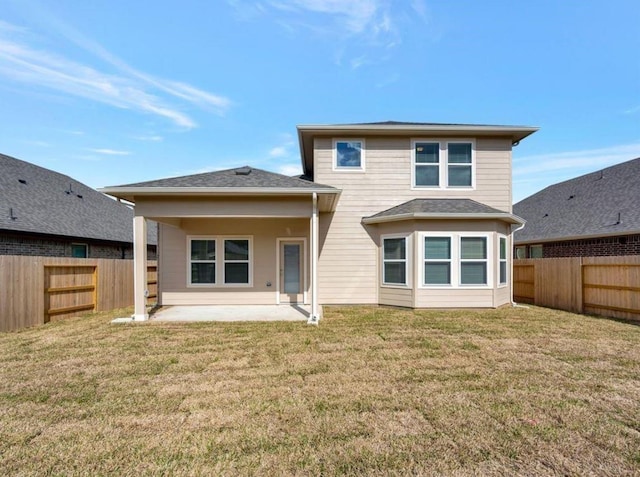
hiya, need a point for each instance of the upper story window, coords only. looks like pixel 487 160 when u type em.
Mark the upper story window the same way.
pixel 441 164
pixel 348 154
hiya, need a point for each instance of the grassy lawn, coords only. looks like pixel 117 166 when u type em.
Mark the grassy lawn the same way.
pixel 371 391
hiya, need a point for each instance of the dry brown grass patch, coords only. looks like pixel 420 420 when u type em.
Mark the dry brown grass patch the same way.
pixel 373 391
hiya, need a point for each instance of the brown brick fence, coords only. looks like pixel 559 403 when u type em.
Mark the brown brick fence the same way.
pixel 36 290
pixel 608 286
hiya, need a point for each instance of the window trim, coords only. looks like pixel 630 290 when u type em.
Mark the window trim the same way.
pixel 443 164
pixel 190 238
pixel 425 260
pixel 220 261
pixel 407 260
pixel 337 168
pixel 488 246
pixel 502 284
pixel 456 261
pixel 249 261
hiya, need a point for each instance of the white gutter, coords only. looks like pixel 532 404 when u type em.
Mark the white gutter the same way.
pixel 314 318
pixel 130 191
pixel 513 303
pixel 514 219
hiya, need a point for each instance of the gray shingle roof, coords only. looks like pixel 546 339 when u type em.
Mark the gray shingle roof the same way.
pixel 439 207
pixel 47 202
pixel 241 177
pixel 586 206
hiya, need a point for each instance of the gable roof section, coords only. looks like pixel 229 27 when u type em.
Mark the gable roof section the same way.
pixel 602 203
pixel 46 202
pixel 238 181
pixel 307 132
pixel 461 209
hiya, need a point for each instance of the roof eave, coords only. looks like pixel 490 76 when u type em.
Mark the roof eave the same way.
pixel 509 218
pixel 575 237
pixel 128 193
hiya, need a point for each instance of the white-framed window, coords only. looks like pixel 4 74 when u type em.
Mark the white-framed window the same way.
pixel 502 260
pixel 456 260
pixel 79 250
pixel 219 261
pixel 443 164
pixel 202 261
pixel 237 264
pixel 395 265
pixel 535 251
pixel 473 261
pixel 348 154
pixel 437 260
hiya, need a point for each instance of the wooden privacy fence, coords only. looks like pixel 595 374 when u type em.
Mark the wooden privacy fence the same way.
pixel 608 286
pixel 36 290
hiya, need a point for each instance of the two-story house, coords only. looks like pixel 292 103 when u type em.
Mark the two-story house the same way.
pixel 408 214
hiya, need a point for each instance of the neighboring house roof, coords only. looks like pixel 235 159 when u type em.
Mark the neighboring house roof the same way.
pixel 602 203
pixel 37 200
pixel 238 181
pixel 307 132
pixel 441 209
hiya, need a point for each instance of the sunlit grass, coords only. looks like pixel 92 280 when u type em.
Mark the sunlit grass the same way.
pixel 371 391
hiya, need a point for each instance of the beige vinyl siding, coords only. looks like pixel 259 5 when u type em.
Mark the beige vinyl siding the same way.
pixel 502 296
pixel 348 265
pixel 454 298
pixel 265 232
pixel 396 296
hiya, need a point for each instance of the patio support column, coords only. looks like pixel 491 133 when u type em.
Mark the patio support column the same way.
pixel 314 318
pixel 140 268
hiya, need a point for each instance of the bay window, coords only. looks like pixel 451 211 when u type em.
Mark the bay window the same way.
pixel 394 261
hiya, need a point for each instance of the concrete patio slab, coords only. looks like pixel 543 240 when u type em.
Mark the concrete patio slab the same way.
pixel 196 313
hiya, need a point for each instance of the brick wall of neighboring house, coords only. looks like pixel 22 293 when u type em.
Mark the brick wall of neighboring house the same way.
pixel 597 247
pixel 53 247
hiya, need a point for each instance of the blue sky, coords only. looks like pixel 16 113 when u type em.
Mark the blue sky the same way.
pixel 112 92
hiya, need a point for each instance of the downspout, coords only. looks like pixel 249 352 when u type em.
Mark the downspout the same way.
pixel 513 303
pixel 314 318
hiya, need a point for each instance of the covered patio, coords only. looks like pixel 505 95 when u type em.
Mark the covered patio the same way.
pixel 204 313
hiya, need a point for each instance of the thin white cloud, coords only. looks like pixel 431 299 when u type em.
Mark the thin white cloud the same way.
pixel 632 110
pixel 534 173
pixel 278 151
pixel 356 27
pixel 111 152
pixel 284 148
pixel 127 88
pixel 151 138
pixel 290 169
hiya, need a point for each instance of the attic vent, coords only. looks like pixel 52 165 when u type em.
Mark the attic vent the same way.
pixel 546 215
pixel 243 171
pixel 79 196
pixel 22 181
pixel 571 197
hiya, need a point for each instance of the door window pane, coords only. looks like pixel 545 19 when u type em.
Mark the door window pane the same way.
pixel 291 268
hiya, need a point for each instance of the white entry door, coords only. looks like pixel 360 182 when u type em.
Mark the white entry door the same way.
pixel 291 271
